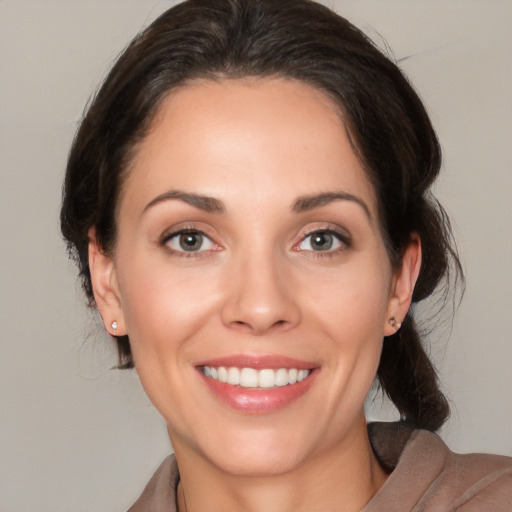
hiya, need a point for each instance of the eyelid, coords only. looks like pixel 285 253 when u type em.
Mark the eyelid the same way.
pixel 184 229
pixel 167 235
pixel 342 235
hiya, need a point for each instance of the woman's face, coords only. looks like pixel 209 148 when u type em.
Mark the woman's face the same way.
pixel 249 247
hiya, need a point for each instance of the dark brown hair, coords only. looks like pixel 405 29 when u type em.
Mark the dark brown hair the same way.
pixel 301 40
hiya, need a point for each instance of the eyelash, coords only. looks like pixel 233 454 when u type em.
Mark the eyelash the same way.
pixel 343 239
pixel 164 242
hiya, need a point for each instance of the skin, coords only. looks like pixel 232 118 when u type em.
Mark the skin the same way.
pixel 256 286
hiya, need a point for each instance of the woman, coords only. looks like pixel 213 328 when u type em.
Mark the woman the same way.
pixel 248 201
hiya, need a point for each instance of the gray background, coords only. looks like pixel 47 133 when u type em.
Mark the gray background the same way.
pixel 75 435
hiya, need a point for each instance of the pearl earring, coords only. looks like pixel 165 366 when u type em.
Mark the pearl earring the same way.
pixel 394 323
pixel 114 326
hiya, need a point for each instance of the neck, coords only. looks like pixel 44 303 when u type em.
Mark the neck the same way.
pixel 343 478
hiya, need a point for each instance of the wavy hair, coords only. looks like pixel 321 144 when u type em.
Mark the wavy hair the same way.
pixel 302 40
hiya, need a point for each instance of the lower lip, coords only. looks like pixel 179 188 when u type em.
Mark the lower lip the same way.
pixel 259 401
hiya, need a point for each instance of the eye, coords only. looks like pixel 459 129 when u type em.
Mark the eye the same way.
pixel 322 241
pixel 189 241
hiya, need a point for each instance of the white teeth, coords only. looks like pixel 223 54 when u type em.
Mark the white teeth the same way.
pixel 266 378
pixel 281 377
pixel 302 375
pixel 222 374
pixel 233 376
pixel 251 378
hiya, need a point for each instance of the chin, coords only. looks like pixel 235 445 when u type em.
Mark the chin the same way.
pixel 258 463
pixel 258 453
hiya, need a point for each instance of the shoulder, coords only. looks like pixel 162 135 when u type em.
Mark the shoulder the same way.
pixel 159 495
pixel 475 482
pixel 428 476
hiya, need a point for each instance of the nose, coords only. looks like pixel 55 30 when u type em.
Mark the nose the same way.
pixel 260 297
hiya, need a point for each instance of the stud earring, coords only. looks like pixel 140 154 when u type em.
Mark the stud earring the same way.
pixel 114 326
pixel 394 323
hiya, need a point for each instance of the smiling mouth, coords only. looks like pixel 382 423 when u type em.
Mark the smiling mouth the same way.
pixel 256 379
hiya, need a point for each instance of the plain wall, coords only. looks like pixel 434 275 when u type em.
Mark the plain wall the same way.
pixel 77 436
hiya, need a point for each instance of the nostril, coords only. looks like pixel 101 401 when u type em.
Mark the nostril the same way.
pixel 258 327
pixel 240 324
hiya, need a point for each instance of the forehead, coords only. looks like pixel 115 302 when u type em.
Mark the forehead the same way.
pixel 264 138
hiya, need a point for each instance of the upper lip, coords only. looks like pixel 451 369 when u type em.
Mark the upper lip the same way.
pixel 259 362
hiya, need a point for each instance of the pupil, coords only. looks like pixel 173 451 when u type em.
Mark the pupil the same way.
pixel 191 241
pixel 322 241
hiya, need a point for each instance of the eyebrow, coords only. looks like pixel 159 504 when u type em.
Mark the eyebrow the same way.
pixel 213 205
pixel 306 203
pixel 205 203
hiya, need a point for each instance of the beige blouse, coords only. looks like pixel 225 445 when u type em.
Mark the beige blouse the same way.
pixel 425 477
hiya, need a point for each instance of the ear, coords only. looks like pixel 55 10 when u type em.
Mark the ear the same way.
pixel 402 287
pixel 105 287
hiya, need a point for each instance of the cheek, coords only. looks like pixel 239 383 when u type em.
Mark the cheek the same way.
pixel 164 305
pixel 350 309
pixel 352 298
